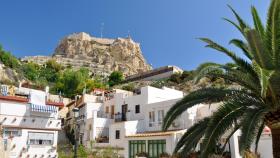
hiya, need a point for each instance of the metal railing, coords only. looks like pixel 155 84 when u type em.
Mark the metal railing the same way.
pixel 120 117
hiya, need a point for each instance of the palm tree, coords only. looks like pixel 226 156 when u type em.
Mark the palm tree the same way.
pixel 251 105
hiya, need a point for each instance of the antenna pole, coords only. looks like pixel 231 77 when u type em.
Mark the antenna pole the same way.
pixel 101 30
pixel 128 32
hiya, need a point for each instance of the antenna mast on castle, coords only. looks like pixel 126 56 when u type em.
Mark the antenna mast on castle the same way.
pixel 128 32
pixel 101 30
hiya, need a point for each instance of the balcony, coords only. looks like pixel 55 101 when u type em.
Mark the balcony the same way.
pixel 86 98
pixel 102 114
pixel 120 117
pixel 102 139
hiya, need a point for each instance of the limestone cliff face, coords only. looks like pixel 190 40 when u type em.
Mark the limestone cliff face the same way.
pixel 8 75
pixel 101 55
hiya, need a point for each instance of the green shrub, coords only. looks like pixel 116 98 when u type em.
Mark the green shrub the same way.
pixel 176 78
pixel 129 87
pixel 8 59
pixel 115 78
pixel 31 71
pixel 82 153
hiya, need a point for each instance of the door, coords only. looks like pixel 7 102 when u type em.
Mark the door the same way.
pixel 135 147
pixel 112 111
pixel 156 147
pixel 124 111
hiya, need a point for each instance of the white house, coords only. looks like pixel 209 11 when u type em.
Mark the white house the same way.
pixel 131 122
pixel 93 125
pixel 30 125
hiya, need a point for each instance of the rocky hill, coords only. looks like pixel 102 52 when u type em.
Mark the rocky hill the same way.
pixel 100 55
pixel 9 75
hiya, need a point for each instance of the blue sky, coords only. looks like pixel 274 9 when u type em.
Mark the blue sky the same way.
pixel 167 29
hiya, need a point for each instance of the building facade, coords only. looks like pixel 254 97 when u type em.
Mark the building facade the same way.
pixel 29 125
pixel 155 74
pixel 131 122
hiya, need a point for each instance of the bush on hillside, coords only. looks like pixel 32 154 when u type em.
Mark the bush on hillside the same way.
pixel 115 78
pixel 8 59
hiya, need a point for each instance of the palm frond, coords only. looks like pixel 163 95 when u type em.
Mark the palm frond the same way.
pixel 205 69
pixel 190 139
pixel 244 65
pixel 259 136
pixel 250 125
pixel 235 25
pixel 258 23
pixel 207 64
pixel 242 23
pixel 275 89
pixel 264 77
pixel 236 127
pixel 200 96
pixel 229 74
pixel 221 121
pixel 257 48
pixel 243 46
pixel 273 31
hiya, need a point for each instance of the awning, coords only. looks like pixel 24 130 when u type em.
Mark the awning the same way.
pixel 38 136
pixel 156 133
pixel 43 108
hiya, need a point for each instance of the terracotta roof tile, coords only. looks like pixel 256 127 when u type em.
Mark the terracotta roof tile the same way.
pixel 14 98
pixel 26 100
pixel 55 104
pixel 156 133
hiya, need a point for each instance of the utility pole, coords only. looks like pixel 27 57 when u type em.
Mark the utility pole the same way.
pixel 76 115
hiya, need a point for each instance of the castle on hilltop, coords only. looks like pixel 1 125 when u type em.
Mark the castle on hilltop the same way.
pixel 100 55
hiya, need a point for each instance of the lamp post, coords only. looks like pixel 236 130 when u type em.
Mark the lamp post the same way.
pixel 76 115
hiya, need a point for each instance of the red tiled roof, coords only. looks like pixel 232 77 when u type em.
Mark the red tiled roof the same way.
pixel 25 100
pixel 55 104
pixel 14 98
pixel 98 89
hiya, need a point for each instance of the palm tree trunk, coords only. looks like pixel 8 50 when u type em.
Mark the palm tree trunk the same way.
pixel 276 142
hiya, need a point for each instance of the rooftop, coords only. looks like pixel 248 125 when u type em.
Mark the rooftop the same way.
pixel 26 100
pixel 154 133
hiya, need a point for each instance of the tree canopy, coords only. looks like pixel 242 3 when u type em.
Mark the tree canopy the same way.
pixel 72 82
pixel 115 78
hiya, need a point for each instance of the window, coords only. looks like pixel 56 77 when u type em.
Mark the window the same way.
pixel 137 109
pixel 156 147
pixel 11 132
pixel 117 134
pixel 36 138
pixel 151 118
pixel 112 111
pixel 107 110
pixel 136 146
pixel 160 116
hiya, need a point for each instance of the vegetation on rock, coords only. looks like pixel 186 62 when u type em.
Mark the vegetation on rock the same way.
pixel 8 59
pixel 73 82
pixel 115 78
